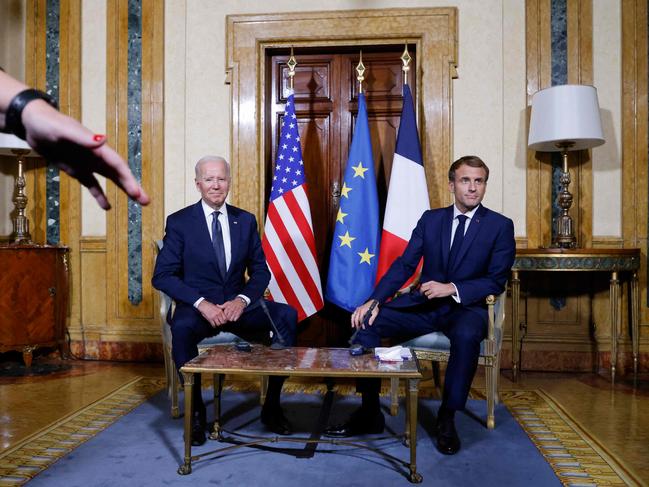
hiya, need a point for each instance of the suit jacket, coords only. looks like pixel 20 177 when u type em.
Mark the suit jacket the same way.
pixel 186 267
pixel 481 268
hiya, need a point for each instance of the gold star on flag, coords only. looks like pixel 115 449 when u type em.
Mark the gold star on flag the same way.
pixel 359 170
pixel 345 191
pixel 365 256
pixel 340 216
pixel 346 239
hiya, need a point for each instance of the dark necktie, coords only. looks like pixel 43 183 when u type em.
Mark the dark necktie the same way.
pixel 457 240
pixel 217 242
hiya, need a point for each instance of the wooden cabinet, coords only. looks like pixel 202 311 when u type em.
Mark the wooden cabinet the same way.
pixel 33 297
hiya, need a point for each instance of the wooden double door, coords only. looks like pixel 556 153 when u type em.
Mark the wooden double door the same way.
pixel 326 104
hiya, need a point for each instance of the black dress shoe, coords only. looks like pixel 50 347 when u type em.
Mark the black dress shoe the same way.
pixel 274 420
pixel 198 429
pixel 359 423
pixel 448 442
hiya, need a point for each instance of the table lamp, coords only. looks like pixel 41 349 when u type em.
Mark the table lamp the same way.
pixel 13 146
pixel 565 118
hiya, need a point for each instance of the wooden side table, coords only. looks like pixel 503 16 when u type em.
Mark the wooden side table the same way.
pixel 33 297
pixel 618 262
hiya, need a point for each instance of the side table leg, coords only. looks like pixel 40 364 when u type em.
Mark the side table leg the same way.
pixel 516 294
pixel 635 309
pixel 411 427
pixel 186 468
pixel 614 304
pixel 28 355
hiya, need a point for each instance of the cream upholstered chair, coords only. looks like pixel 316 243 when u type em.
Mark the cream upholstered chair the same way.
pixel 173 382
pixel 436 348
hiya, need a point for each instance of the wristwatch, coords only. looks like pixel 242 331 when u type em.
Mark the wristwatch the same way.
pixel 13 117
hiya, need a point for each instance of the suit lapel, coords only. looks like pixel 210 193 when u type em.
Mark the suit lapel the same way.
pixel 473 230
pixel 235 234
pixel 447 225
pixel 200 222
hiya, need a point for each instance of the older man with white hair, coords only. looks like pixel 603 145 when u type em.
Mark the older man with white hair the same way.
pixel 208 248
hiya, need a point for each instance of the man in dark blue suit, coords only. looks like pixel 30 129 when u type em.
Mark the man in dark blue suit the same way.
pixel 467 251
pixel 207 249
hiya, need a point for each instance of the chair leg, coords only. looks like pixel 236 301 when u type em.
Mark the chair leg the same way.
pixel 394 396
pixel 263 387
pixel 173 391
pixel 497 379
pixel 491 378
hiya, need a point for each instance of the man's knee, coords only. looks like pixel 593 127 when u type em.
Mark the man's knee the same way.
pixel 468 332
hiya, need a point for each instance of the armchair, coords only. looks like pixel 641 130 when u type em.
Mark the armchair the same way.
pixel 436 348
pixel 171 373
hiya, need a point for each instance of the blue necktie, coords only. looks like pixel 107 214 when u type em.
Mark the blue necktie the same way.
pixel 217 242
pixel 457 240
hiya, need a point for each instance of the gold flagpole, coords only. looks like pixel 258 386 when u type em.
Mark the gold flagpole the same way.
pixel 291 63
pixel 360 69
pixel 405 59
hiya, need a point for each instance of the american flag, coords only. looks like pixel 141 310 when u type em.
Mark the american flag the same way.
pixel 288 240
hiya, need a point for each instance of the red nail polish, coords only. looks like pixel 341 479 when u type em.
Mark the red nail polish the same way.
pixel 98 137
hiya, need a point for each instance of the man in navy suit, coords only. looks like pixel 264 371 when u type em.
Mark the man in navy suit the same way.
pixel 467 251
pixel 208 247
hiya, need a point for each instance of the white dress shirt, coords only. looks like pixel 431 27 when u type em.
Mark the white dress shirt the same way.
pixel 456 222
pixel 227 243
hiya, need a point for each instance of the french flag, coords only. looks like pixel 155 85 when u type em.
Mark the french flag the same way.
pixel 407 194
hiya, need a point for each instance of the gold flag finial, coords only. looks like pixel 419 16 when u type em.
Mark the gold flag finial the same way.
pixel 291 63
pixel 360 69
pixel 405 59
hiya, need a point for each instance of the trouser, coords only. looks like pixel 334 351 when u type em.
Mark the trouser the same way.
pixel 189 328
pixel 464 327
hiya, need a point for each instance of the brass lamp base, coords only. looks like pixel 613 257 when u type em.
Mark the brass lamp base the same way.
pixel 565 235
pixel 20 222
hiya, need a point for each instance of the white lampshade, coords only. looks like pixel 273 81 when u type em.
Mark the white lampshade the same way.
pixel 9 142
pixel 565 113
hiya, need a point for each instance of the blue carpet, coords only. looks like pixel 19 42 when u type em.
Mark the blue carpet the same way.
pixel 145 447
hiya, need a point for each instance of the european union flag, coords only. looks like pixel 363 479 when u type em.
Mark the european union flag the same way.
pixel 355 246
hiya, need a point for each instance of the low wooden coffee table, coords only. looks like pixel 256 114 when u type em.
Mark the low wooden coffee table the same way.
pixel 299 362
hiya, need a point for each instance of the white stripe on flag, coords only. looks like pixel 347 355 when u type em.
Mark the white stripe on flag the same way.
pixel 298 239
pixel 287 267
pixel 407 197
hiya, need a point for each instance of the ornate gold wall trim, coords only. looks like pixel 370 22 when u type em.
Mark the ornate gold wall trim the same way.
pixel 93 244
pixel 434 30
pixel 35 76
pixel 539 167
pixel 634 138
pixel 608 242
pixel 69 103
pixel 121 313
pixel 580 71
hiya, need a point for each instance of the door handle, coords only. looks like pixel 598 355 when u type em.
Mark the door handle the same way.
pixel 335 193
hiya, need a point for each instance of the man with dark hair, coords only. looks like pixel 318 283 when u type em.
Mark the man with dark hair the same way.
pixel 208 248
pixel 467 252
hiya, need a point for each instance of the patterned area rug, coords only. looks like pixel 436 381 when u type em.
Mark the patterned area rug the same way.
pixel 576 457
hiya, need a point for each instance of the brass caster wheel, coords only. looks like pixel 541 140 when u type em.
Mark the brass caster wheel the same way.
pixel 184 469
